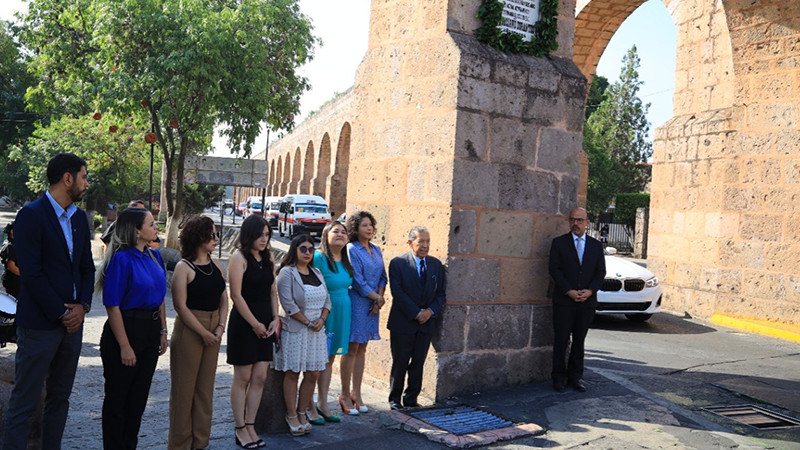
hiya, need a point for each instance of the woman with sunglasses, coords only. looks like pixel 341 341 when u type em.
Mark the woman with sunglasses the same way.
pixel 201 304
pixel 304 345
pixel 252 325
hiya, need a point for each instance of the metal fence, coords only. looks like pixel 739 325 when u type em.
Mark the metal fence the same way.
pixel 620 236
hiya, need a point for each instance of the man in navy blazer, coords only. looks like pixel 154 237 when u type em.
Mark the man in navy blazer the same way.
pixel 55 261
pixel 578 267
pixel 418 283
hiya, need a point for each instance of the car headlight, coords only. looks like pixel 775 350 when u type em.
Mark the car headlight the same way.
pixel 652 282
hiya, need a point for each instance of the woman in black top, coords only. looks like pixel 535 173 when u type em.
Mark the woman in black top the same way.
pixel 201 302
pixel 253 324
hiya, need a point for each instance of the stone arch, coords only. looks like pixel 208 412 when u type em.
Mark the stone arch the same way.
pixel 336 192
pixel 323 166
pixel 271 185
pixel 286 179
pixel 294 184
pixel 304 186
pixel 704 77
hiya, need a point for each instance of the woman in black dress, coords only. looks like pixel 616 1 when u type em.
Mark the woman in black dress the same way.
pixel 253 323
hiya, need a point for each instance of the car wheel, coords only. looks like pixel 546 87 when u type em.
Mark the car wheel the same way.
pixel 638 317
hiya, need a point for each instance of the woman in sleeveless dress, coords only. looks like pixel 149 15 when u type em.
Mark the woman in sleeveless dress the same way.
pixel 304 344
pixel 201 304
pixel 252 325
pixel 331 260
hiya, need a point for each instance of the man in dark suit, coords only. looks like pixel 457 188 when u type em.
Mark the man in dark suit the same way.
pixel 417 282
pixel 578 267
pixel 55 261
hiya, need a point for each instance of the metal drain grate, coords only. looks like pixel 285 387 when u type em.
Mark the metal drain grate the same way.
pixel 461 419
pixel 755 416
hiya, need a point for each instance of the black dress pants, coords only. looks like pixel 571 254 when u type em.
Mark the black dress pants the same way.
pixel 127 388
pixel 408 356
pixel 572 319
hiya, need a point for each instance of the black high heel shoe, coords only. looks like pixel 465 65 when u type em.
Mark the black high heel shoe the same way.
pixel 249 445
pixel 260 442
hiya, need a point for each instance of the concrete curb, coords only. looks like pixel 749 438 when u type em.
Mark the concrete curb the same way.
pixel 763 327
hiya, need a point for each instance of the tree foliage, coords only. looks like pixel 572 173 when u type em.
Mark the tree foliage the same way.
pixel 597 92
pixel 118 161
pixel 185 66
pixel 197 197
pixel 16 124
pixel 627 204
pixel 615 139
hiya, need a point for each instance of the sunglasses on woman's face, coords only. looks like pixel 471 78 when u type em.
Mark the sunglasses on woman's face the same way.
pixel 306 249
pixel 214 236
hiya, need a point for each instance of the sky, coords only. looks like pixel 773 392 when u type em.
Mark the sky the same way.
pixel 343 26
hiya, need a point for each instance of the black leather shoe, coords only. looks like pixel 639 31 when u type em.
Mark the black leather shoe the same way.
pixel 395 406
pixel 559 386
pixel 578 385
pixel 411 404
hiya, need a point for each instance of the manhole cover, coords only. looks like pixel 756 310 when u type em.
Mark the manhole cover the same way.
pixel 461 419
pixel 755 416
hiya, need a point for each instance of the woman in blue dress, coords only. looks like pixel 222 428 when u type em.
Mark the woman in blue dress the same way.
pixel 366 298
pixel 331 259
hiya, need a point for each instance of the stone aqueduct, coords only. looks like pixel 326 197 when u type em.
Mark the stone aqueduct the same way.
pixel 485 149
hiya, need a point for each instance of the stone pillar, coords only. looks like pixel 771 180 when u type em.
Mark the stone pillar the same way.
pixel 484 149
pixel 640 233
pixel 726 168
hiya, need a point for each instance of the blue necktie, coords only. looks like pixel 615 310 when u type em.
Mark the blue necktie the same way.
pixel 423 271
pixel 579 248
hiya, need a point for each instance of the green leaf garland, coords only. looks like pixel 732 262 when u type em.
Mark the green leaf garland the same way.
pixel 545 31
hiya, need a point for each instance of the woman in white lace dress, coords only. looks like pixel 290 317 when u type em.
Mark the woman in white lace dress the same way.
pixel 305 306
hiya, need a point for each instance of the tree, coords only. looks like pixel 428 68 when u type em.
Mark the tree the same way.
pixel 596 95
pixel 185 66
pixel 16 124
pixel 118 161
pixel 615 139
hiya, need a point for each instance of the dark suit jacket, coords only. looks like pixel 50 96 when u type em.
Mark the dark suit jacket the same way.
pixel 409 296
pixel 48 275
pixel 568 273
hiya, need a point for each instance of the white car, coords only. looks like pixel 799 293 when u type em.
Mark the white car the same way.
pixel 629 289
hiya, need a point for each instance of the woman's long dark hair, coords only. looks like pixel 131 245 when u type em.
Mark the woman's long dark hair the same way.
pixel 290 258
pixel 325 250
pixel 124 236
pixel 251 230
pixel 354 221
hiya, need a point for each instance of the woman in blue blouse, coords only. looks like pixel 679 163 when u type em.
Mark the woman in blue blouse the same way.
pixel 366 298
pixel 134 284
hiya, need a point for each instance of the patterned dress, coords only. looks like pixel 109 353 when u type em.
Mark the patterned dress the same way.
pixel 305 349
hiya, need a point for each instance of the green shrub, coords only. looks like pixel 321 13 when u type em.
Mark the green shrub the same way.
pixel 626 205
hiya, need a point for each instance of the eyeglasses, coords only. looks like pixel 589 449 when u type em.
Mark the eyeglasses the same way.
pixel 306 249
pixel 576 219
pixel 214 236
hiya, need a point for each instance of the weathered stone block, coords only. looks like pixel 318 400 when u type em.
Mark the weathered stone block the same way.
pixel 546 227
pixel 745 254
pixel 498 327
pixel 463 231
pixel 524 280
pixel 513 141
pixel 475 184
pixel 558 151
pixel 505 234
pixel 766 285
pixel 529 364
pixel 473 279
pixel 471 136
pixel 440 182
pixel 449 336
pixel 462 373
pixel 527 189
pixel 761 227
